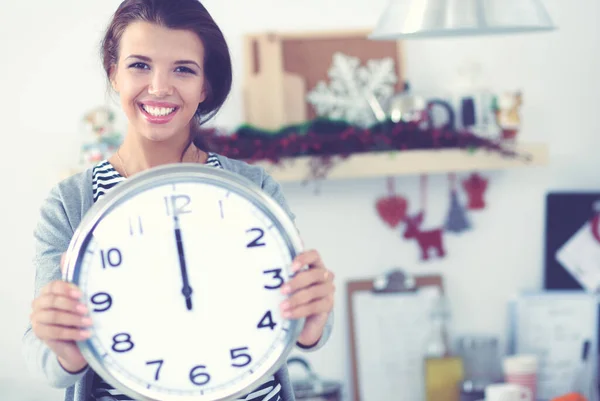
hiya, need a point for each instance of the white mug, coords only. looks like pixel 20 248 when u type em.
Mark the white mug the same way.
pixel 507 392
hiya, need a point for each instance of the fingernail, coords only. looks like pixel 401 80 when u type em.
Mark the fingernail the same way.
pixel 286 289
pixel 85 334
pixel 75 293
pixel 296 266
pixel 86 321
pixel 285 305
pixel 81 308
pixel 287 314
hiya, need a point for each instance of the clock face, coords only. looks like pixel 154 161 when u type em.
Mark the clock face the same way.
pixel 182 282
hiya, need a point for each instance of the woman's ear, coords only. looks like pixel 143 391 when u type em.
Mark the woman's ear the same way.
pixel 113 78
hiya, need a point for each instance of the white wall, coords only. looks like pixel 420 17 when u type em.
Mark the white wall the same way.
pixel 51 74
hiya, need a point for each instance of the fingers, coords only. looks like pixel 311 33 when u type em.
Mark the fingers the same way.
pixel 59 333
pixel 58 302
pixel 308 301
pixel 60 318
pixel 57 313
pixel 311 290
pixel 307 278
pixel 309 258
pixel 59 287
pixel 321 305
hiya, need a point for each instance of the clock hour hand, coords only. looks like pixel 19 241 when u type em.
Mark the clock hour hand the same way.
pixel 187 289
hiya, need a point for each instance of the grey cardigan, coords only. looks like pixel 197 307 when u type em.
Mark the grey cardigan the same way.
pixel 61 213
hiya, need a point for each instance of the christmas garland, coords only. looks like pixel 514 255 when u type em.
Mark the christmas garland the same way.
pixel 325 138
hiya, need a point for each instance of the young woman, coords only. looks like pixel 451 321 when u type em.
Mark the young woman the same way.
pixel 169 63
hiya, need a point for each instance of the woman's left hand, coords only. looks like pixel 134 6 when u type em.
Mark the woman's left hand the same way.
pixel 312 296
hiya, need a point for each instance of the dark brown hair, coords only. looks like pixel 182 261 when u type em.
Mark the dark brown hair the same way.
pixel 178 14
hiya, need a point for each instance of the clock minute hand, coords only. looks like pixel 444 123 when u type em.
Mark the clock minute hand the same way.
pixel 187 289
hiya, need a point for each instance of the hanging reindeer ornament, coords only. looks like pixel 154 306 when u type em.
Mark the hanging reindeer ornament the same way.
pixel 430 241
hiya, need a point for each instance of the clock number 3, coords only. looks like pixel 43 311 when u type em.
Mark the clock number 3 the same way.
pixel 276 273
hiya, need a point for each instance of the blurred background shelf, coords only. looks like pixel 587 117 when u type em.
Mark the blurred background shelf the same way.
pixel 377 164
pixel 407 162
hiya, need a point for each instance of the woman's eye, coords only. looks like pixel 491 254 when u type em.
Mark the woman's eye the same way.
pixel 138 65
pixel 185 70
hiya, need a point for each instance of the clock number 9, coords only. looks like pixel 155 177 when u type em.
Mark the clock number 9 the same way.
pixel 112 258
pixel 198 377
pixel 101 299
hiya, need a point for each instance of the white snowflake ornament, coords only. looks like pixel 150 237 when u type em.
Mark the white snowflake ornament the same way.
pixel 351 85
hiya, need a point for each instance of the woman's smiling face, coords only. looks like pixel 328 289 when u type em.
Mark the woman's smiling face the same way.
pixel 160 80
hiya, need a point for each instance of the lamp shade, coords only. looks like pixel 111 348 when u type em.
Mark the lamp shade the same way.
pixel 408 19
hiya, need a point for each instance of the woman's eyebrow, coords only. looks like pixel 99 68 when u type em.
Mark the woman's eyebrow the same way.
pixel 139 57
pixel 180 62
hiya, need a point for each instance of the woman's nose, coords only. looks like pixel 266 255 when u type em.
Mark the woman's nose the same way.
pixel 160 85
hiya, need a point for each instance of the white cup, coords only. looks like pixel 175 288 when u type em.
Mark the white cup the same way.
pixel 522 370
pixel 507 392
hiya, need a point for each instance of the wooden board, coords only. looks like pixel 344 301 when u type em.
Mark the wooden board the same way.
pixel 356 288
pixel 381 164
pixel 415 162
pixel 280 68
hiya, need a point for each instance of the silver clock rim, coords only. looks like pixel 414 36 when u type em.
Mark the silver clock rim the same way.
pixel 160 175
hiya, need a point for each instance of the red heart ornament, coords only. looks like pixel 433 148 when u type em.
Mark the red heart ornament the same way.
pixel 392 209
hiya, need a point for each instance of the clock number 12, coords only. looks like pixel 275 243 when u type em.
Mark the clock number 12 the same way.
pixel 177 204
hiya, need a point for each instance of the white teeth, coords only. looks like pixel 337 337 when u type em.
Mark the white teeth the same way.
pixel 157 111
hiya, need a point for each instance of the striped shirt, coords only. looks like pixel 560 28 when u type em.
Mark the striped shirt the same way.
pixel 105 177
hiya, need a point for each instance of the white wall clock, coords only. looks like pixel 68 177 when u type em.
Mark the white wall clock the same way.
pixel 181 267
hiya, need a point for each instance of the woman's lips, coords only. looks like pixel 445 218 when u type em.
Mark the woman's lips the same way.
pixel 158 112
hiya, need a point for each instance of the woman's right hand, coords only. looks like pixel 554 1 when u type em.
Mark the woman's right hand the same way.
pixel 59 319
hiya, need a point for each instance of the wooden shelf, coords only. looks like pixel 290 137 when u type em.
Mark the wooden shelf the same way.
pixel 381 164
pixel 365 165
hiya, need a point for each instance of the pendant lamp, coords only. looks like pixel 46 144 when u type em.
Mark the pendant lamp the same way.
pixel 414 19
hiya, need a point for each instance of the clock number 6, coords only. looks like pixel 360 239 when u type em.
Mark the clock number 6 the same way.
pixel 238 353
pixel 198 377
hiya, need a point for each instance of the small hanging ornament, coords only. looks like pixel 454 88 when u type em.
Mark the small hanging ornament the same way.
pixel 427 240
pixel 475 187
pixel 392 208
pixel 456 221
